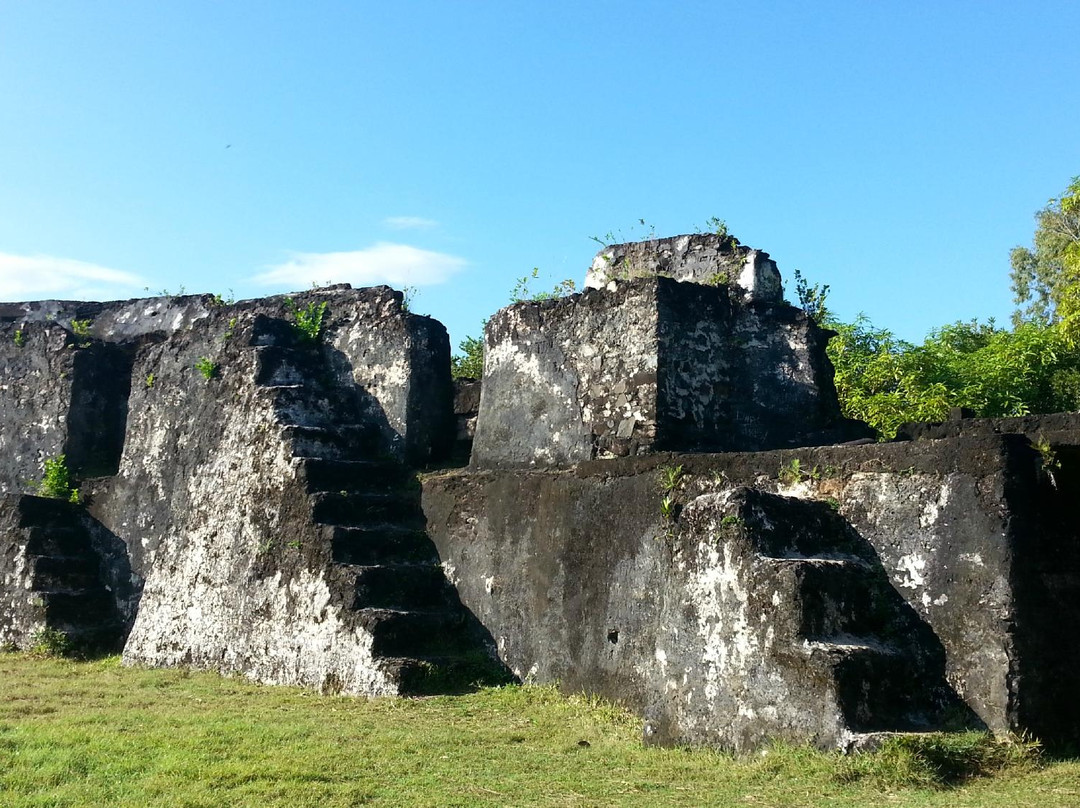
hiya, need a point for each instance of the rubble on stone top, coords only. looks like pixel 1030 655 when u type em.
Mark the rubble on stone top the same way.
pixel 704 258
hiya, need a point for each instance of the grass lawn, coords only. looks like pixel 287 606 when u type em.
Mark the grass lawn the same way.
pixel 94 733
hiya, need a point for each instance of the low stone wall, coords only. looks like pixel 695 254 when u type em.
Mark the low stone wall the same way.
pixel 577 574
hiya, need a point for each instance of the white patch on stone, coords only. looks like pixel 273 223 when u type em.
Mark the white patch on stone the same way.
pixel 911 567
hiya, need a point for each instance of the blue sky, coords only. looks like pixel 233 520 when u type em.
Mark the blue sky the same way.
pixel 894 150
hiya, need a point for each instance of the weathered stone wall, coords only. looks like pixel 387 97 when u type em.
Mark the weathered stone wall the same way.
pixel 36 370
pixel 60 571
pixel 265 520
pixel 653 364
pixel 737 377
pixel 402 365
pixel 576 576
pixel 204 529
pixel 570 379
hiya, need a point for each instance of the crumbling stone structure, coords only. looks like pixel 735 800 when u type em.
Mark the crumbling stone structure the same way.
pixel 652 364
pixel 656 509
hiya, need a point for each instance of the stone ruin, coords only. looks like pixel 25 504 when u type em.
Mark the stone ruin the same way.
pixel 663 505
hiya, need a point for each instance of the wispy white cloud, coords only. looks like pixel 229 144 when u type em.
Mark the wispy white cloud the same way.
pixel 409 223
pixel 38 277
pixel 394 264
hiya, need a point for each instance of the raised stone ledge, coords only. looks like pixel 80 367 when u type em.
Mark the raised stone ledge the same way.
pixel 582 580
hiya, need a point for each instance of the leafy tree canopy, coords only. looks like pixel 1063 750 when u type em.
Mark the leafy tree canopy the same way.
pixel 993 371
pixel 1046 276
pixel 470 364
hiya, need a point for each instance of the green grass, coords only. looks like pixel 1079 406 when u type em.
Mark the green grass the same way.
pixel 94 733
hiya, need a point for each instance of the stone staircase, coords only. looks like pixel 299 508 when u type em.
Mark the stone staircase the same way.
pixel 365 504
pixel 886 665
pixel 842 634
pixel 62 579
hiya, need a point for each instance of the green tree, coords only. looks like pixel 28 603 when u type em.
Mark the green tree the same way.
pixel 812 298
pixel 993 371
pixel 1046 276
pixel 471 364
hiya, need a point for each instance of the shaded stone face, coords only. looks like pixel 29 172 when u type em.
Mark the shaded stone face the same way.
pixel 704 258
pixel 846 591
pixel 652 364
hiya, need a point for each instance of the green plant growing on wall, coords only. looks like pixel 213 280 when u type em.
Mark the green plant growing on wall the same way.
pixel 230 331
pixel 716 225
pixel 165 292
pixel 207 367
pixel 81 330
pixel 795 472
pixel 522 293
pixel 668 507
pixel 19 338
pixel 1049 459
pixel 149 380
pixel 1047 454
pixel 812 298
pixel 670 477
pixel 55 482
pixel 617 237
pixel 307 321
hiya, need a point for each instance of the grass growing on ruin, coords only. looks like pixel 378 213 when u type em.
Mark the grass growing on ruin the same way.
pixel 93 733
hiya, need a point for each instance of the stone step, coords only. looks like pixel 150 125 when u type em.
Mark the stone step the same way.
pixel 339 442
pixel 402 586
pixel 878 688
pixel 413 633
pixel 837 596
pixel 327 474
pixel 105 637
pixel 425 676
pixel 64 573
pixel 47 512
pixel 81 609
pixel 784 527
pixel 60 541
pixel 367 508
pixel 279 364
pixel 310 404
pixel 385 544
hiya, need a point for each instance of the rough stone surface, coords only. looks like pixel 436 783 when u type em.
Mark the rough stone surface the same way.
pixel 703 258
pixel 1061 427
pixel 581 580
pixel 255 517
pixel 466 408
pixel 267 521
pixel 60 571
pixel 652 365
